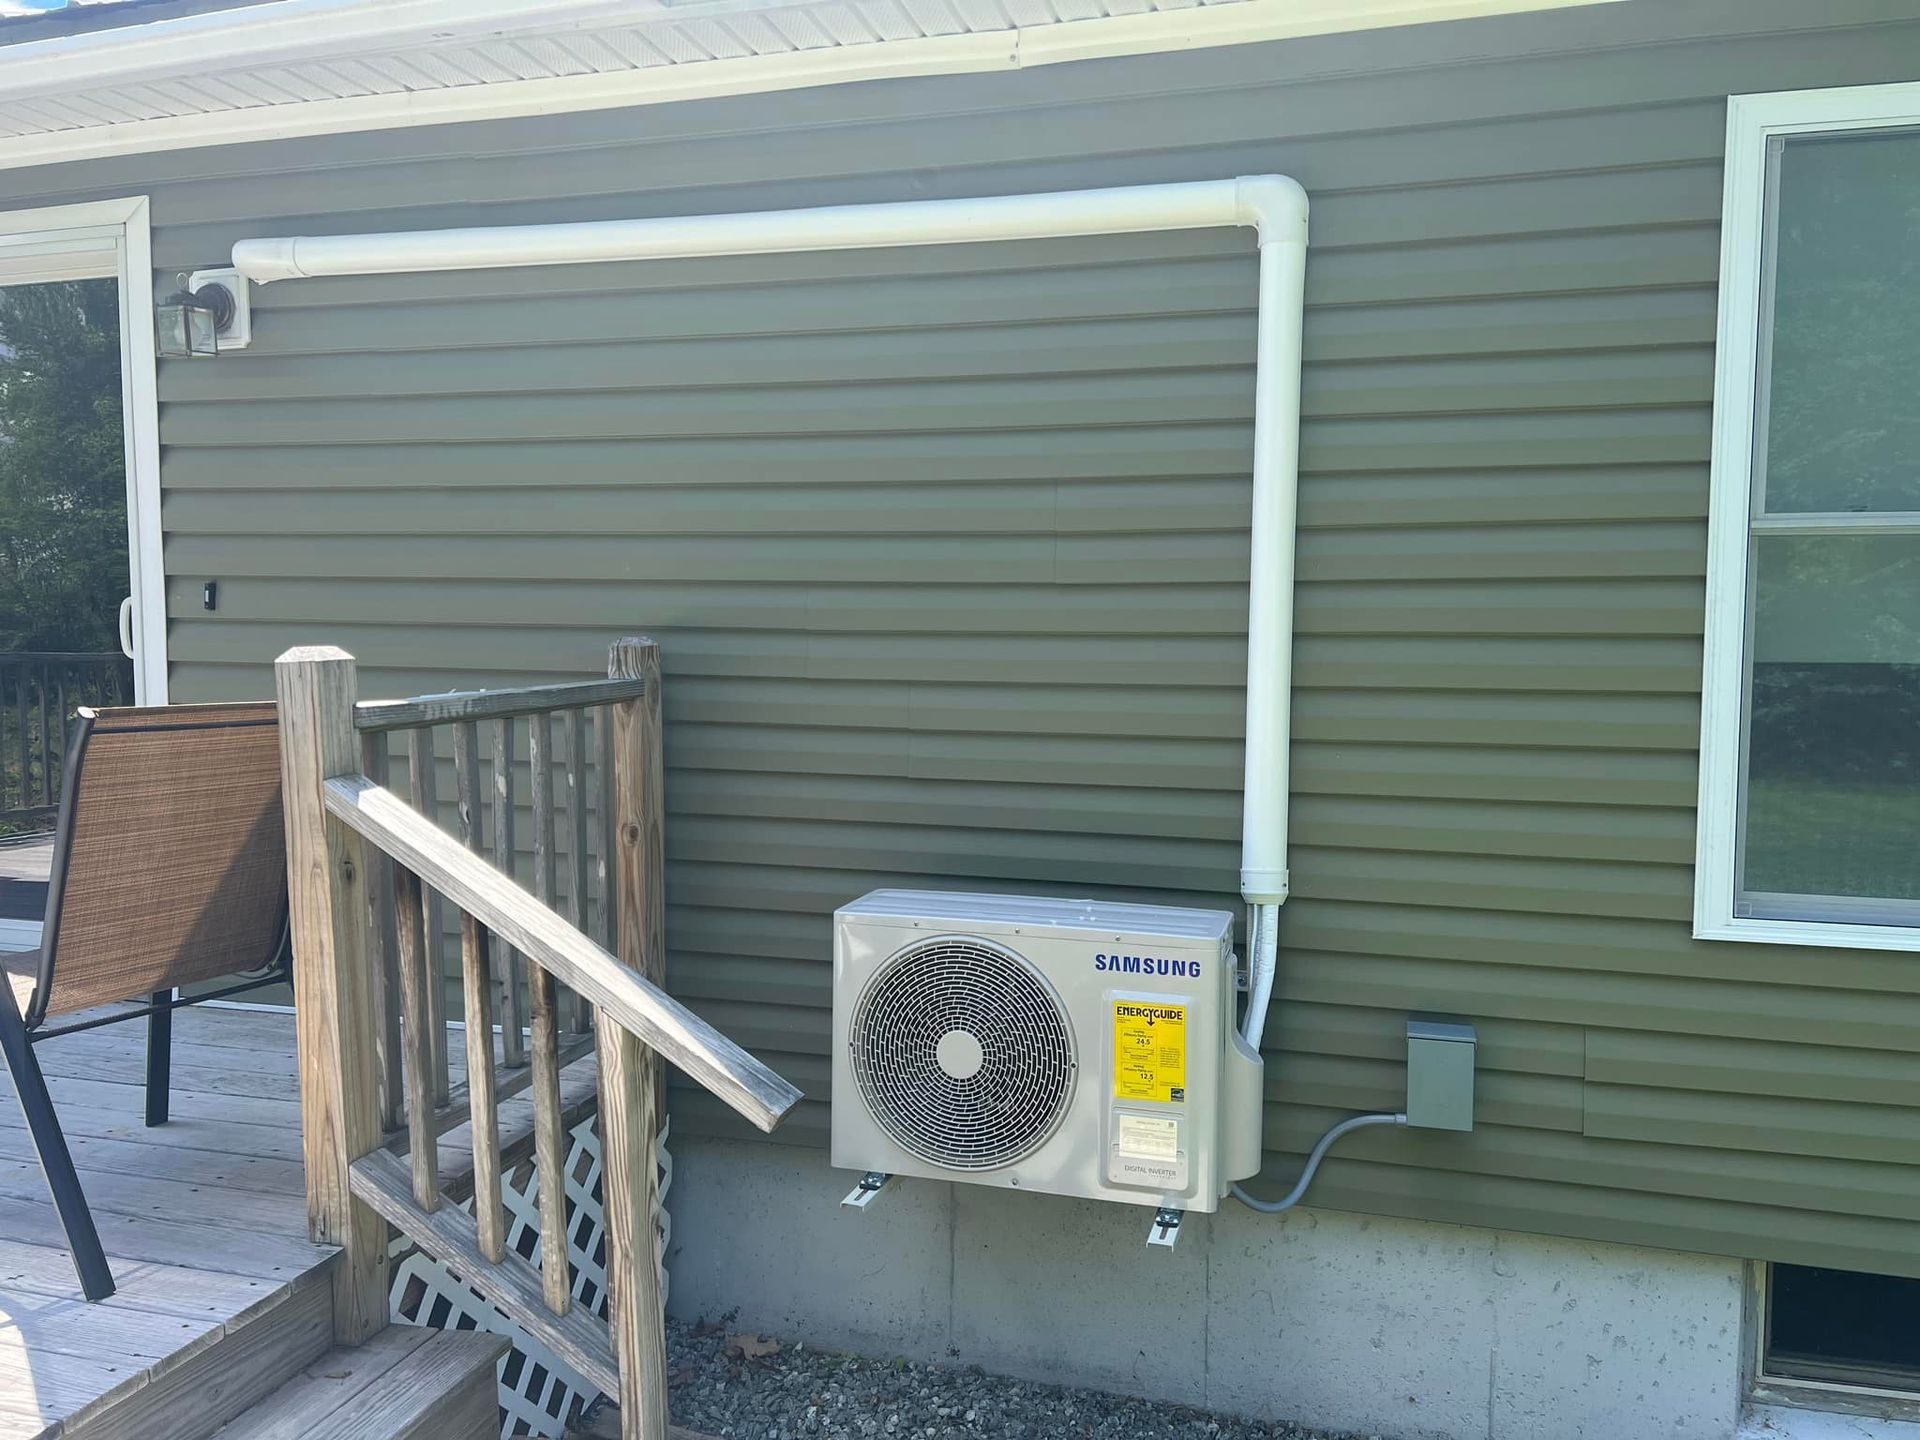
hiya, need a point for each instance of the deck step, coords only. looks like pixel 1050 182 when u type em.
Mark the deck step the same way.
pixel 407 1383
pixel 214 1377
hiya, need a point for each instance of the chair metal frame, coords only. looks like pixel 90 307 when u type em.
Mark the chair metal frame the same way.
pixel 20 1033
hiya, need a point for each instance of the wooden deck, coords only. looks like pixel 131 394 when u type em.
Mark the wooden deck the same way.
pixel 24 867
pixel 27 858
pixel 204 1221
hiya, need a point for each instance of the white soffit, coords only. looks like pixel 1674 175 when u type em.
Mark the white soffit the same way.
pixel 314 67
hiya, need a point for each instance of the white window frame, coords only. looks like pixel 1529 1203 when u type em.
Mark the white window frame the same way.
pixel 1752 121
pixel 114 239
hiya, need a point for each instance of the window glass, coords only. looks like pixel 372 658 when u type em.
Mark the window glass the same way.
pixel 1830 799
pixel 1841 407
pixel 1833 738
pixel 1843 1327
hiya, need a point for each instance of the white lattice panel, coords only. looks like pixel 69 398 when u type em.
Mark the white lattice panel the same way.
pixel 539 1392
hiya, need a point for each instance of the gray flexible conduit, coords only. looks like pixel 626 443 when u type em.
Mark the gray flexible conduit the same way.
pixel 1319 1153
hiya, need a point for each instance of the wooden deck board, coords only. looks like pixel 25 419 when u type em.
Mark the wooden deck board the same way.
pixel 204 1219
pixel 189 1073
pixel 223 1111
pixel 29 859
pixel 128 1155
pixel 196 1141
pixel 113 1192
pixel 45 1271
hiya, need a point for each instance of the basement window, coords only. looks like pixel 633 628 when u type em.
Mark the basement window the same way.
pixel 1810 740
pixel 1836 1327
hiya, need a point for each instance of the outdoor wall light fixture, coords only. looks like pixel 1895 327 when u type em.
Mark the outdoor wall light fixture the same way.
pixel 208 314
pixel 188 321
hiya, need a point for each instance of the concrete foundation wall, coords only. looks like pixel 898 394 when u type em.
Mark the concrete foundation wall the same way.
pixel 1386 1327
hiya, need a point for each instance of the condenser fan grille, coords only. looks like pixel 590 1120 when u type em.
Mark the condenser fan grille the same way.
pixel 962 1053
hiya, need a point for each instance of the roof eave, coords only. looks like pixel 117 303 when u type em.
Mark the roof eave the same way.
pixel 285 31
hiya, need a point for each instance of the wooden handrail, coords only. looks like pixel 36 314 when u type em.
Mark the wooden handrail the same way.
pixel 370 870
pixel 490 704
pixel 503 906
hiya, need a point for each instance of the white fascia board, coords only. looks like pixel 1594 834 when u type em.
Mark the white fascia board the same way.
pixel 1237 22
pixel 281 32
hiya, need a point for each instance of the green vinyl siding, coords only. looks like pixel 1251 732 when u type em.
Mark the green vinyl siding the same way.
pixel 947 552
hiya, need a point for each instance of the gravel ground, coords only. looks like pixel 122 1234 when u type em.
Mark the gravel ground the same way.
pixel 798 1393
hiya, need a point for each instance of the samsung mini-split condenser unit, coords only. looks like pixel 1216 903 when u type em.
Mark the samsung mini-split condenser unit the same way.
pixel 1063 1046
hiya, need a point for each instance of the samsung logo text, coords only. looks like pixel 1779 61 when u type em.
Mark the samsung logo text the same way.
pixel 1147 965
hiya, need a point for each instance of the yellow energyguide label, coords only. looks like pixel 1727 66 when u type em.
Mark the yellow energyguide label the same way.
pixel 1149 1051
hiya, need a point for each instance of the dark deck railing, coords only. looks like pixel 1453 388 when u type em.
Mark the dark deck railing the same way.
pixel 39 691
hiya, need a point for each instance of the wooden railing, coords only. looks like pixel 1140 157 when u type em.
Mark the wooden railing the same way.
pixel 372 1036
pixel 38 691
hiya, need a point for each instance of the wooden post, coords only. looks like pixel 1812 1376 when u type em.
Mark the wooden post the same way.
pixel 577 1017
pixel 549 1144
pixel 640 811
pixel 335 1021
pixel 416 976
pixel 489 1219
pixel 423 779
pixel 630 1079
pixel 603 741
pixel 383 948
pixel 513 1046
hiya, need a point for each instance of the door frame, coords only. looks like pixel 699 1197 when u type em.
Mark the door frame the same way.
pixel 97 240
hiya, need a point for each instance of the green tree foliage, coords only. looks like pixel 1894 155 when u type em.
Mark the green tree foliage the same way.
pixel 63 492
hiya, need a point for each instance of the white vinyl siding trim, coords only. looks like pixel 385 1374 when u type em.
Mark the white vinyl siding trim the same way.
pixel 95 240
pixel 1752 123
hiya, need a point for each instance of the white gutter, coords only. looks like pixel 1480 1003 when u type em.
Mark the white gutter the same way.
pixel 1273 205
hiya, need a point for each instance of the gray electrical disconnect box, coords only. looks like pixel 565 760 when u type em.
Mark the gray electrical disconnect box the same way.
pixel 1440 1074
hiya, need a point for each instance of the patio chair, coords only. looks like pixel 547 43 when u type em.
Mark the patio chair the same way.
pixel 169 869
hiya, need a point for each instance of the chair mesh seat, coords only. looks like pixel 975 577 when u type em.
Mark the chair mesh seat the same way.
pixel 173 868
pixel 169 867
